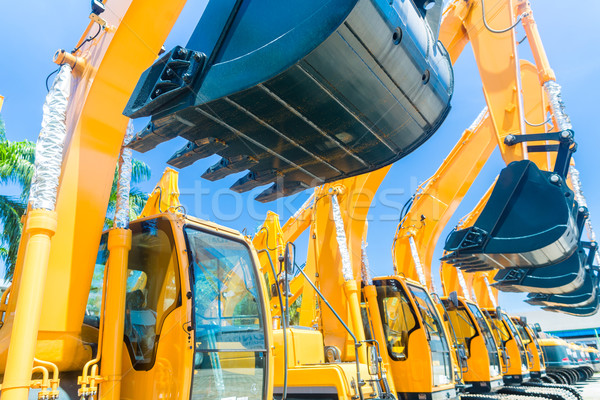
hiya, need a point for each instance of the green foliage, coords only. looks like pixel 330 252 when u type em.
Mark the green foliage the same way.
pixel 137 199
pixel 295 311
pixel 16 168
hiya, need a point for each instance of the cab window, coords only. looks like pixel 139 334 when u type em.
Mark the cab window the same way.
pixel 440 349
pixel 230 342
pixel 153 289
pixel 523 334
pixel 460 322
pixel 397 317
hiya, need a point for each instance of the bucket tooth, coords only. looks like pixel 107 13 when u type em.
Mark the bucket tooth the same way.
pixel 194 151
pixel 529 221
pixel 149 137
pixel 278 190
pixel 254 179
pixel 320 90
pixel 228 166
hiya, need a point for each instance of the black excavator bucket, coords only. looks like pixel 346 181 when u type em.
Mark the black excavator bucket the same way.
pixel 583 296
pixel 529 221
pixel 584 311
pixel 564 277
pixel 298 92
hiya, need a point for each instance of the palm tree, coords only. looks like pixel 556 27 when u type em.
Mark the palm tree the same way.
pixel 16 168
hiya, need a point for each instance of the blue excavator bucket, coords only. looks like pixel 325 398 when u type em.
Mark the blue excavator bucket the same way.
pixel 561 278
pixel 529 221
pixel 298 93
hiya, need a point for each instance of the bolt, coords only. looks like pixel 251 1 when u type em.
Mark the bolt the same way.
pixel 509 139
pixel 554 178
pixel 197 56
pixel 157 92
pixel 169 72
pixel 565 134
pixel 182 52
pixel 187 78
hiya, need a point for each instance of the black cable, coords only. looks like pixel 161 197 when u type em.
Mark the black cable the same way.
pixel 48 77
pixel 89 39
pixel 406 207
pixel 485 23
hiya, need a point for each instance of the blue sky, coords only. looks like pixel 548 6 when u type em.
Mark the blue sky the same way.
pixel 30 34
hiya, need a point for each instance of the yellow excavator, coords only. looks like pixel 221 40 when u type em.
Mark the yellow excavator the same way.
pixel 185 311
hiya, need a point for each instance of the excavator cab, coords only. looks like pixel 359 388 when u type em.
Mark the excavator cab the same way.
pixel 194 305
pixel 298 93
pixel 537 368
pixel 516 368
pixel 516 229
pixel 466 321
pixel 416 340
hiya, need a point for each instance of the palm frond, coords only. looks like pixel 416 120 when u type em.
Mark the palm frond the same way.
pixel 11 210
pixel 140 171
pixel 17 163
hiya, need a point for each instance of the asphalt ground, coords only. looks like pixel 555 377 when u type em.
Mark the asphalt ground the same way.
pixel 590 389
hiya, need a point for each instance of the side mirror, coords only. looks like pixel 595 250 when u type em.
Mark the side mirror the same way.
pixel 523 321
pixel 453 297
pixel 499 312
pixel 537 327
pixel 289 257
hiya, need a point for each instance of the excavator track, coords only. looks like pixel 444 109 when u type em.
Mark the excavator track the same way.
pixel 529 391
pixel 571 389
pixel 499 396
pixel 546 391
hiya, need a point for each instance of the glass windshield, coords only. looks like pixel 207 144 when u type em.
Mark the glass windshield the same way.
pixel 499 330
pixel 440 350
pixel 397 317
pixel 490 344
pixel 152 287
pixel 523 334
pixel 555 354
pixel 230 357
pixel 517 337
pixel 460 322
